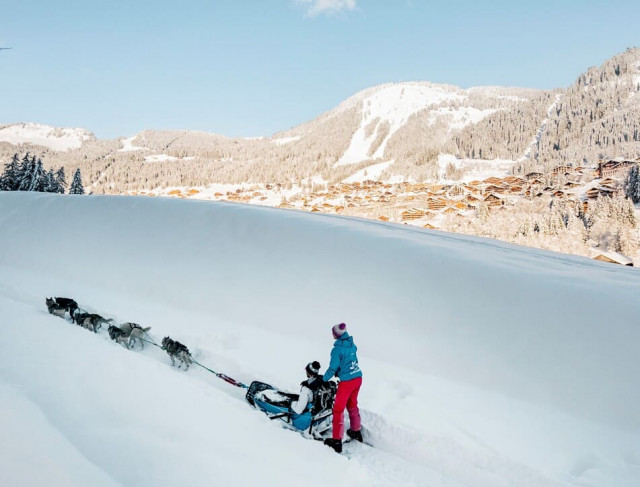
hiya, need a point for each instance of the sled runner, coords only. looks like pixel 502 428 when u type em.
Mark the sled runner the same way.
pixel 316 419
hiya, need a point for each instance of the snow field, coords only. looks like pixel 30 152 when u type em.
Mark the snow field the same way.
pixel 485 364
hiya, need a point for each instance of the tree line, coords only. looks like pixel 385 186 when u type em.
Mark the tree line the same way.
pixel 29 174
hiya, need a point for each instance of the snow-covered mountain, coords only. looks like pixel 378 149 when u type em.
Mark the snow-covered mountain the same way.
pixel 54 138
pixel 485 364
pixel 408 126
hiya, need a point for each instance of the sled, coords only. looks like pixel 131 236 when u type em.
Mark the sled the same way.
pixel 315 422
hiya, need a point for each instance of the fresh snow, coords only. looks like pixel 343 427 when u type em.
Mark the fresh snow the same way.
pixel 285 140
pixel 127 145
pixel 485 364
pixel 57 139
pixel 393 104
pixel 474 169
pixel 160 158
pixel 536 138
pixel 460 117
pixel 372 172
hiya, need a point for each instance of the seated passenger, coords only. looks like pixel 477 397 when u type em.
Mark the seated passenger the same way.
pixel 301 417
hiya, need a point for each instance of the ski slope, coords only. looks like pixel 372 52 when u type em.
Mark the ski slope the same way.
pixel 485 364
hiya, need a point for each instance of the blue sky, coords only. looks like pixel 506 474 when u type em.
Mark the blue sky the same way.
pixel 255 67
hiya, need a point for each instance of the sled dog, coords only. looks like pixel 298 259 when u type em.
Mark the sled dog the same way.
pixel 90 321
pixel 135 333
pixel 60 306
pixel 177 350
pixel 119 336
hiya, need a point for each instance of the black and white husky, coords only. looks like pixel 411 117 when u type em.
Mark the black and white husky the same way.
pixel 119 336
pixel 60 306
pixel 177 350
pixel 90 321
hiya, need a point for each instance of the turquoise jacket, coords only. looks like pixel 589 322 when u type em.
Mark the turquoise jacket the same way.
pixel 344 361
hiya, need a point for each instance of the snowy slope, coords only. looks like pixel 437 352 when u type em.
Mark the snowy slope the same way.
pixel 485 364
pixel 57 139
pixel 392 105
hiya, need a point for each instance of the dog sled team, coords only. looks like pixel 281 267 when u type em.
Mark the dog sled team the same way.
pixel 61 306
pixel 127 334
pixel 317 411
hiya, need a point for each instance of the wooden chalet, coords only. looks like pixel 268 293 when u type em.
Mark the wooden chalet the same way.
pixel 436 203
pixel 614 168
pixel 600 191
pixel 514 180
pixel 534 175
pixel 493 200
pixel 613 258
pixel 609 184
pixel 456 190
pixel 412 214
pixel 471 199
pixel 493 180
pixel 560 170
pixel 495 189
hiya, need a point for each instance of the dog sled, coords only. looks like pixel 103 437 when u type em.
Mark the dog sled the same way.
pixel 315 422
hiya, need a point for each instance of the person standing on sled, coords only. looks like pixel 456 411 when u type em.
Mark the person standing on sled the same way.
pixel 344 365
pixel 301 407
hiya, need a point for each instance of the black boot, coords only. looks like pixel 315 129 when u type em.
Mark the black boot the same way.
pixel 335 444
pixel 355 435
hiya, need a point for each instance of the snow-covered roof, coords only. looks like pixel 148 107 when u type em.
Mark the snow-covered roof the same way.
pixel 616 257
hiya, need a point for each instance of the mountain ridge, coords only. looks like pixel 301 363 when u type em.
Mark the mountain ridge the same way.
pixel 411 124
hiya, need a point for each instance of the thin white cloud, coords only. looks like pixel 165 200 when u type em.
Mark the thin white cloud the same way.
pixel 327 7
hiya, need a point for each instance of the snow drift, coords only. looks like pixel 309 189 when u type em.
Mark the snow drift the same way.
pixel 484 363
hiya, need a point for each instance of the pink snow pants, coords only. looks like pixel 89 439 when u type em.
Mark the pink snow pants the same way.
pixel 347 395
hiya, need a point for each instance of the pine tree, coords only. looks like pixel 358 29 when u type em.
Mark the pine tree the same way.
pixel 38 178
pixel 76 184
pixel 632 184
pixel 10 177
pixel 27 170
pixel 51 185
pixel 61 180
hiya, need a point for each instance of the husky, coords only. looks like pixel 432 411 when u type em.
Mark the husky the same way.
pixel 177 350
pixel 60 306
pixel 128 334
pixel 135 333
pixel 90 321
pixel 119 336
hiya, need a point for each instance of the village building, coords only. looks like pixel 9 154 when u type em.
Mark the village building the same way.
pixel 613 257
pixel 494 200
pixel 614 168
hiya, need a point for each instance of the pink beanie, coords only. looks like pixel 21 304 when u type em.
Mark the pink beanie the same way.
pixel 338 330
